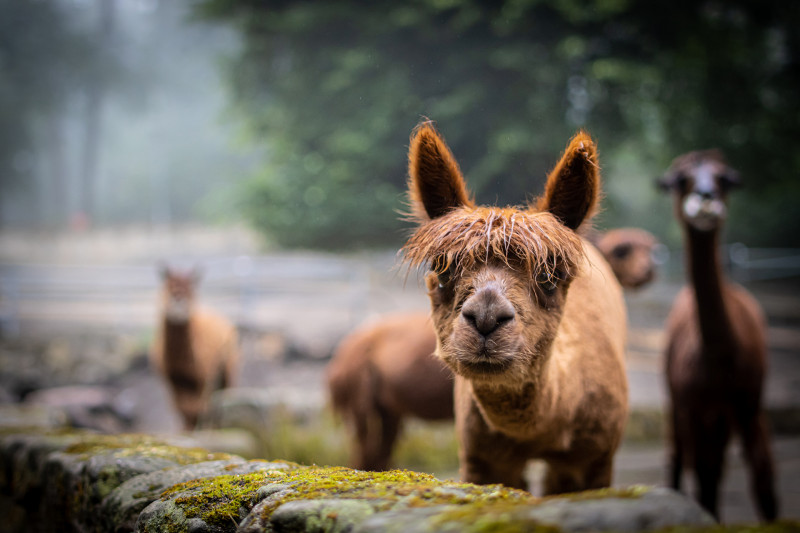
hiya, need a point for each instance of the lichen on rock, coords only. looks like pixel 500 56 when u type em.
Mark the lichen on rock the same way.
pixel 252 499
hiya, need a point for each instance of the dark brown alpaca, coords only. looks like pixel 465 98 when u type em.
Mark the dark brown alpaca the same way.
pixel 629 252
pixel 382 373
pixel 195 349
pixel 529 317
pixel 716 354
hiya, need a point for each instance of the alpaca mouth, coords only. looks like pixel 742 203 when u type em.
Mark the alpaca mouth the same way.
pixel 702 213
pixel 483 361
pixel 483 367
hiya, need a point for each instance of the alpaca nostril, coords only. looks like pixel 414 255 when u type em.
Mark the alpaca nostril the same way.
pixel 706 194
pixel 487 311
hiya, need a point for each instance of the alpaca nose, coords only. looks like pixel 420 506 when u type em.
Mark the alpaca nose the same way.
pixel 487 310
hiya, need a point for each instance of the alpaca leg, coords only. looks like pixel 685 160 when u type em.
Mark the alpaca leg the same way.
pixel 365 440
pixel 390 429
pixel 561 478
pixel 676 454
pixel 598 474
pixel 709 459
pixel 758 453
pixel 483 471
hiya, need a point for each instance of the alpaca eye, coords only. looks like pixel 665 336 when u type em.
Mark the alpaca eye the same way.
pixel 444 271
pixel 548 281
pixel 621 251
pixel 445 277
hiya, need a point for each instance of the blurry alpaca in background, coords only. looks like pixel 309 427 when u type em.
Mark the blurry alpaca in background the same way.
pixel 716 358
pixel 381 373
pixel 195 349
pixel 629 252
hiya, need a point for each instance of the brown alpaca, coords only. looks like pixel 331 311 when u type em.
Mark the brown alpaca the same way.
pixel 370 373
pixel 629 252
pixel 195 349
pixel 529 317
pixel 716 354
pixel 383 372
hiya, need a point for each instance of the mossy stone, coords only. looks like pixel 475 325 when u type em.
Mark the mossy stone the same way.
pixel 120 509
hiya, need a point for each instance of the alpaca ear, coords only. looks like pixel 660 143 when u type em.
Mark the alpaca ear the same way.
pixel 668 181
pixel 573 186
pixel 435 183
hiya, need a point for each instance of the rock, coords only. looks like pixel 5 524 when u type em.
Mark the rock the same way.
pixel 84 406
pixel 60 478
pixel 121 508
pixel 625 510
pixel 656 508
pixel 213 505
pixel 230 440
pixel 88 482
pixel 22 463
pixel 418 520
pixel 31 417
pixel 334 516
pixel 256 408
pixel 251 501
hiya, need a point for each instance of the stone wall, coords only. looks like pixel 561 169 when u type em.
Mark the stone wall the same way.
pixel 68 480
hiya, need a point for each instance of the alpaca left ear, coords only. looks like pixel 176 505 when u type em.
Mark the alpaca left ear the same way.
pixel 435 183
pixel 573 186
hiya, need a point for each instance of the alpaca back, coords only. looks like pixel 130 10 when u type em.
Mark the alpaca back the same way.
pixel 391 364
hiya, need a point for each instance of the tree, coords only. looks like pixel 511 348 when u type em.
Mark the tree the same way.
pixel 40 59
pixel 333 89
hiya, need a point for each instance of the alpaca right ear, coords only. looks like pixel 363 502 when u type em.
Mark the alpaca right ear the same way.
pixel 666 182
pixel 573 186
pixel 435 183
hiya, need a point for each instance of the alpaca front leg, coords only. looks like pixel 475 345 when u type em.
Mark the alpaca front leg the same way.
pixel 561 478
pixel 709 460
pixel 486 456
pixel 486 471
pixel 758 452
pixel 675 461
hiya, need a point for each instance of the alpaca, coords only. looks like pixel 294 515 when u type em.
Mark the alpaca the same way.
pixel 529 317
pixel 383 372
pixel 716 356
pixel 629 252
pixel 371 370
pixel 195 349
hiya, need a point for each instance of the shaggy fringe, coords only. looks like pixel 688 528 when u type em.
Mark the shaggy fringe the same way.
pixel 468 236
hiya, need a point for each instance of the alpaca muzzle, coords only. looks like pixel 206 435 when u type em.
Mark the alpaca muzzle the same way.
pixel 703 213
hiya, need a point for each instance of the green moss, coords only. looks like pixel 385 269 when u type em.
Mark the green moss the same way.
pixel 634 491
pixel 486 517
pixel 496 516
pixel 218 500
pixel 131 445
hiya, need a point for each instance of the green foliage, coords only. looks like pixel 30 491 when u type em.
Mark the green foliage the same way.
pixel 332 91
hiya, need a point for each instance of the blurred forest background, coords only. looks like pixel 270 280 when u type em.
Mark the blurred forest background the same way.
pixel 295 115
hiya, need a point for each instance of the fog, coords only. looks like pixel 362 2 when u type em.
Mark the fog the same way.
pixel 134 128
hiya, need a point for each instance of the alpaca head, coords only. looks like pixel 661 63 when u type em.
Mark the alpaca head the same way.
pixel 630 252
pixel 178 293
pixel 498 277
pixel 700 182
